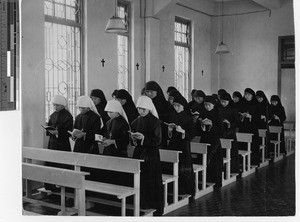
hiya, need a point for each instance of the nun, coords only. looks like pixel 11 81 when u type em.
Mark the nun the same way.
pixel 180 136
pixel 230 119
pixel 128 105
pixel 249 123
pixel 62 120
pixel 147 135
pixel 87 123
pixel 210 130
pixel 116 137
pixel 277 117
pixel 100 102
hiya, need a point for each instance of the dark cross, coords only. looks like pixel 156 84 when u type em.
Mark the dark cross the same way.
pixel 103 61
pixel 163 67
pixel 137 66
pixel 202 72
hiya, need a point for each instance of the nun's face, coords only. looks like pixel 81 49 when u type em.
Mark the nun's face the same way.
pixel 199 99
pixel 83 110
pixel 170 99
pixel 178 107
pixel 248 96
pixel 122 101
pixel 224 103
pixel 151 94
pixel 58 107
pixel 113 114
pixel 274 103
pixel 96 100
pixel 235 99
pixel 143 112
pixel 208 106
pixel 259 99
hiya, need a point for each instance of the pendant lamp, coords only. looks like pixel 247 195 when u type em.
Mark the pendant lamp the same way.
pixel 115 24
pixel 222 48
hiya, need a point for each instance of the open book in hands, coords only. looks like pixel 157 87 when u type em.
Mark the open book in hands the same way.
pixel 195 113
pixel 171 125
pixel 136 135
pixel 76 133
pixel 48 127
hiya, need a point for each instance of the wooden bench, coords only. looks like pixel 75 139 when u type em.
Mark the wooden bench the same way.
pixel 79 160
pixel 289 129
pixel 58 176
pixel 276 130
pixel 172 157
pixel 263 135
pixel 228 177
pixel 205 188
pixel 247 169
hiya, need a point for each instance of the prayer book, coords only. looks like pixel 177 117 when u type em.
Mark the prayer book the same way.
pixel 48 127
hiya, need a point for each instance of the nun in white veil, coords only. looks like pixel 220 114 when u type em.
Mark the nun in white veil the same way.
pixel 147 133
pixel 116 137
pixel 87 124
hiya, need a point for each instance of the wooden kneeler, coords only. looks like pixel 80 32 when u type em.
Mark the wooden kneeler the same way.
pixel 201 187
pixel 262 147
pixel 228 177
pixel 172 156
pixel 247 169
pixel 276 130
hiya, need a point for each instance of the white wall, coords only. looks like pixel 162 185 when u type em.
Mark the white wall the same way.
pixel 253 44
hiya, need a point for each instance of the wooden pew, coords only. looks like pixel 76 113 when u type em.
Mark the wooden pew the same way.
pixel 205 188
pixel 79 160
pixel 172 157
pixel 263 135
pixel 276 130
pixel 247 169
pixel 58 176
pixel 228 177
pixel 289 129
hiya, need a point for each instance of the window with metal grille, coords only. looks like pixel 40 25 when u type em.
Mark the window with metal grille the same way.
pixel 124 47
pixel 63 62
pixel 182 36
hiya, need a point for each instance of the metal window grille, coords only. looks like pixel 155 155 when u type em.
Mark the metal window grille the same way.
pixel 63 64
pixel 182 37
pixel 124 48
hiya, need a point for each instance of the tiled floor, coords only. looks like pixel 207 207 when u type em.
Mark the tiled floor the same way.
pixel 268 192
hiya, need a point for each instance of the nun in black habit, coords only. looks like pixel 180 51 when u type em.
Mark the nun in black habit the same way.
pixel 250 116
pixel 277 117
pixel 128 105
pixel 147 137
pixel 100 102
pixel 264 107
pixel 210 128
pixel 230 119
pixel 154 91
pixel 180 136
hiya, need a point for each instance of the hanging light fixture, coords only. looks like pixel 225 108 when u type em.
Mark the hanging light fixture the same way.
pixel 115 24
pixel 222 48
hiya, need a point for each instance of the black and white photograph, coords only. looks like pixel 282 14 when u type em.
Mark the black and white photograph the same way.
pixel 170 109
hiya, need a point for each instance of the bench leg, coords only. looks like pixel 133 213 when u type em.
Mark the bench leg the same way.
pixel 228 170
pixel 175 188
pixel 196 182
pixel 63 199
pixel 249 162
pixel 123 209
pixel 244 164
pixel 81 202
pixel 204 179
pixel 263 155
pixel 136 210
pixel 166 194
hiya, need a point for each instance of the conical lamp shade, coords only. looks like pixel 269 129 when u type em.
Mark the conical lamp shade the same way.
pixel 115 25
pixel 222 49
